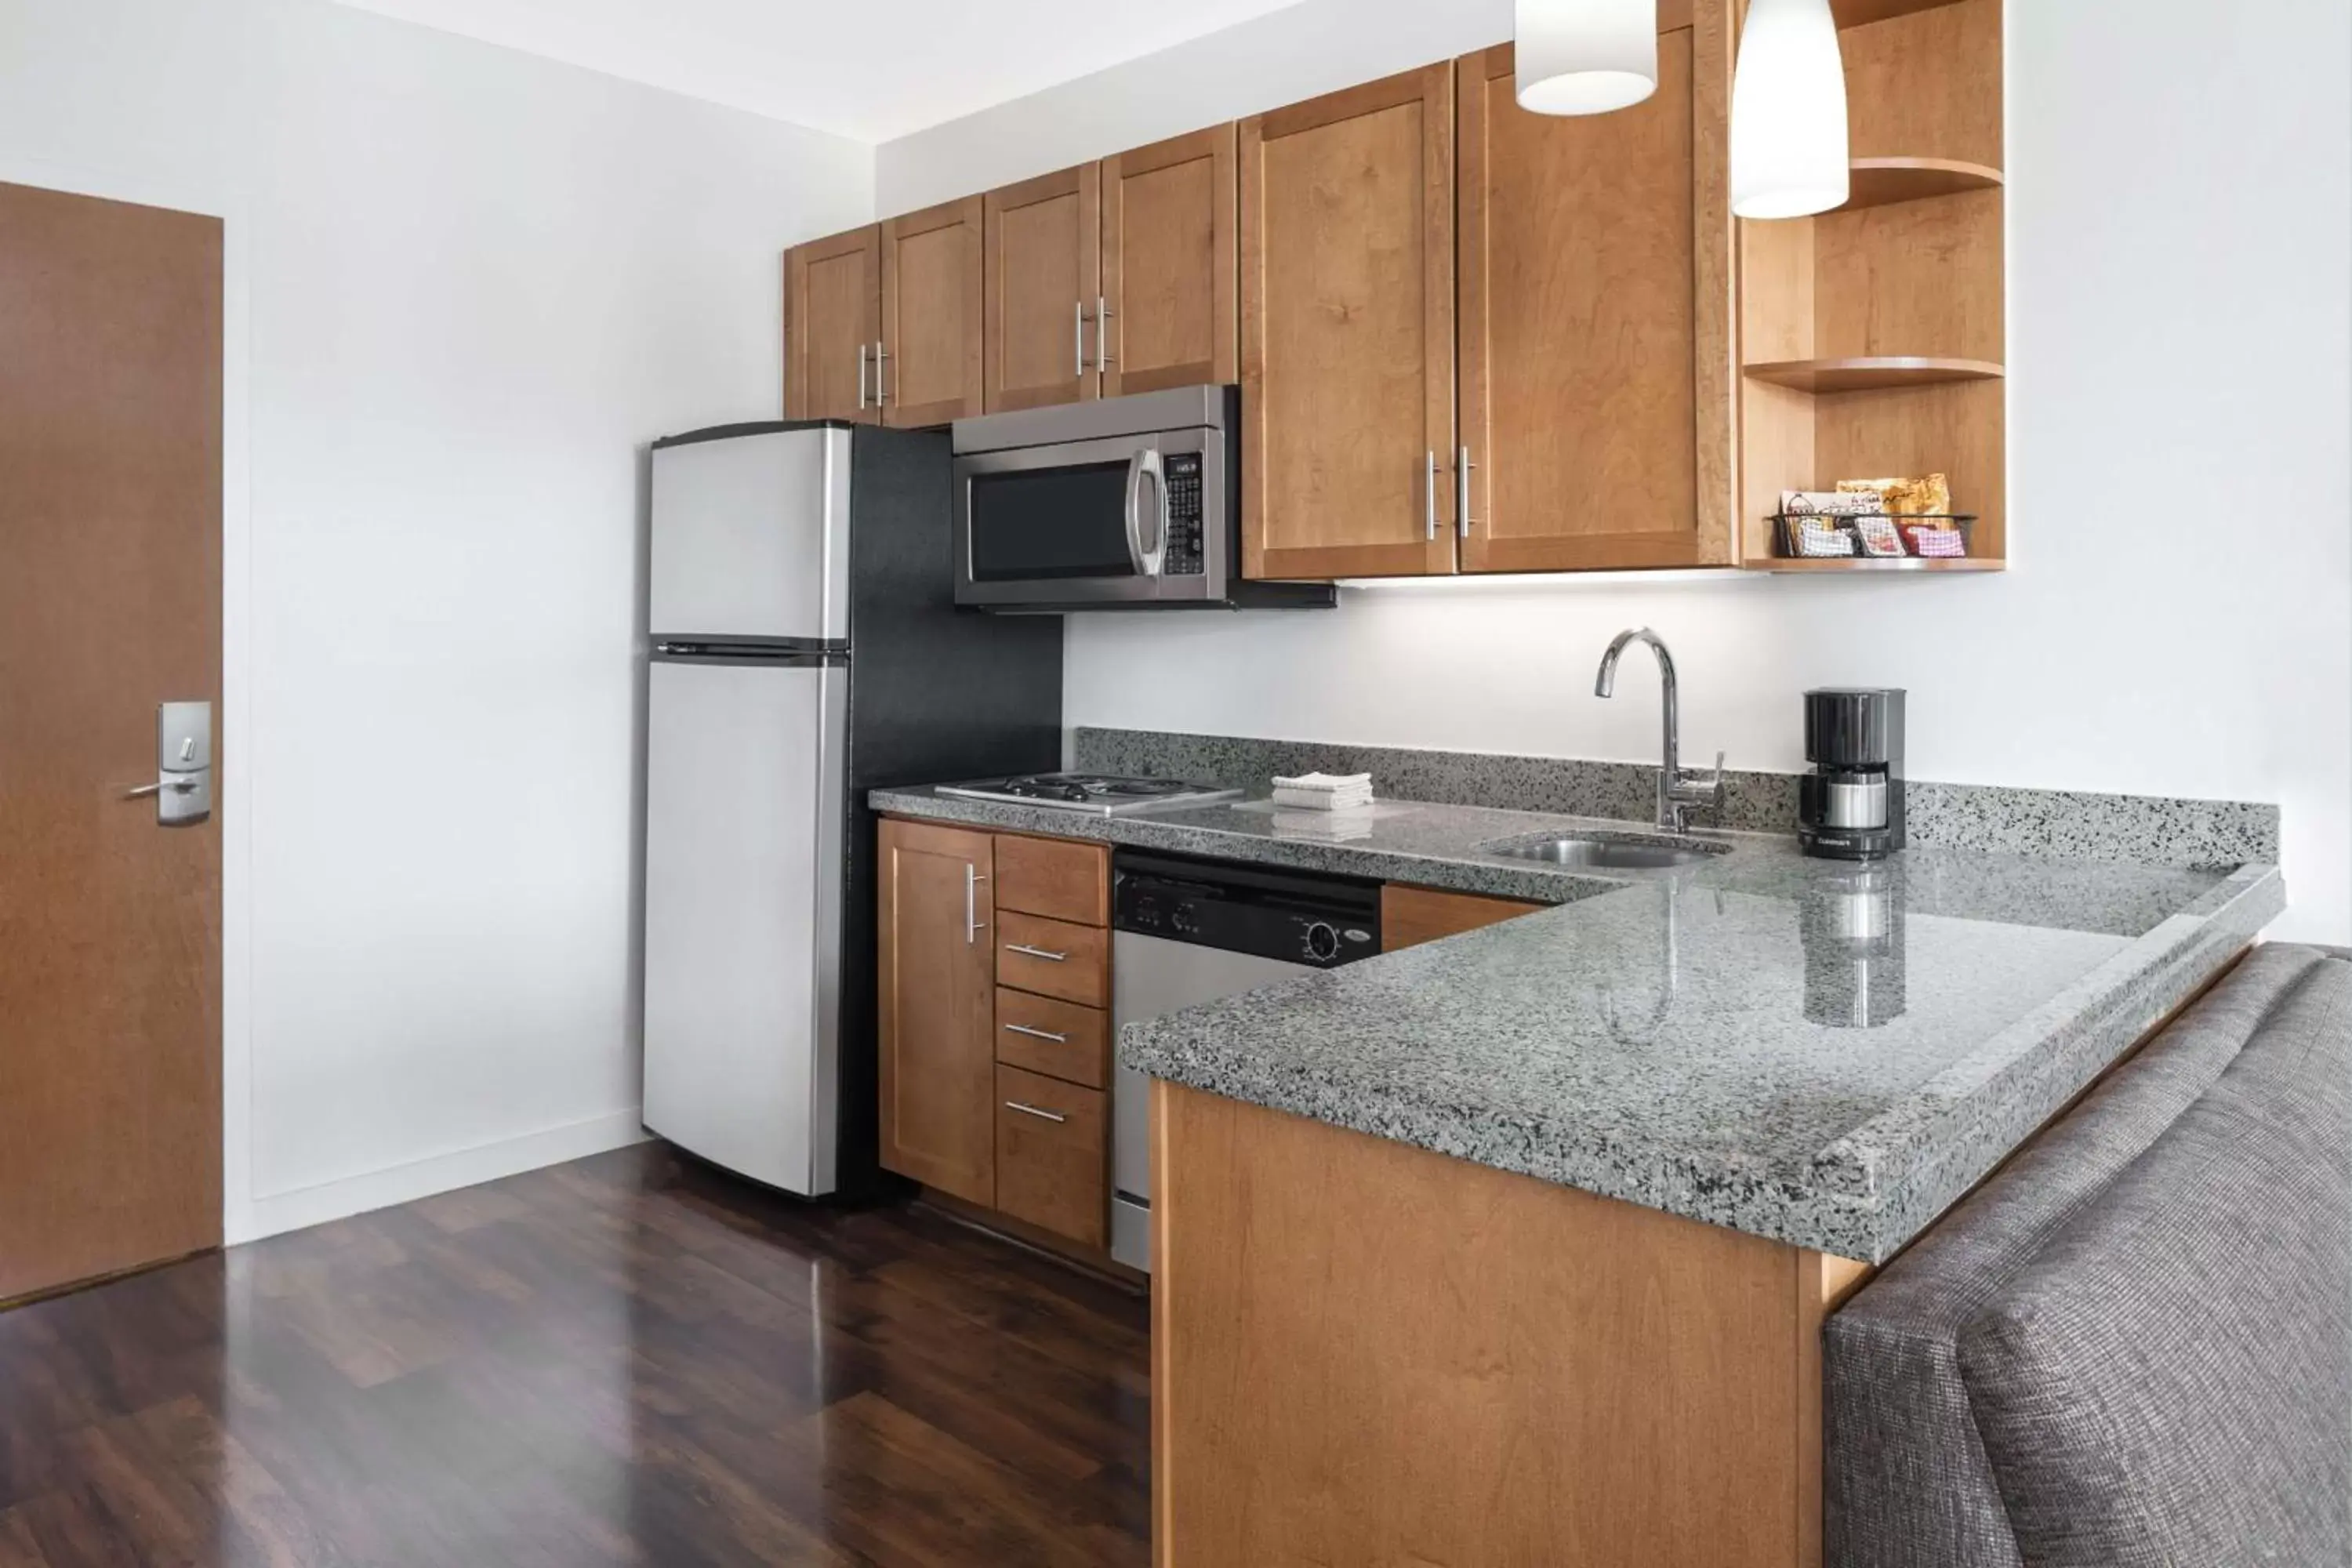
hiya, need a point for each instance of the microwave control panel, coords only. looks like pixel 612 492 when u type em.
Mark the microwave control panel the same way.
pixel 1183 556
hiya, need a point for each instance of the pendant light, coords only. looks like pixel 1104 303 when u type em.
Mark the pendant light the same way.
pixel 1585 56
pixel 1787 112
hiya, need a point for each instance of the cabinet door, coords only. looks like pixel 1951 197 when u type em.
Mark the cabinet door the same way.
pixel 1347 331
pixel 1043 280
pixel 833 324
pixel 1170 222
pixel 1595 334
pixel 937 997
pixel 931 291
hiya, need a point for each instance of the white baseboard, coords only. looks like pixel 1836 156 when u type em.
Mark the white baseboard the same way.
pixel 305 1206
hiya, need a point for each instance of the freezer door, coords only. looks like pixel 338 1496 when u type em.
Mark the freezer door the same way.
pixel 750 537
pixel 743 872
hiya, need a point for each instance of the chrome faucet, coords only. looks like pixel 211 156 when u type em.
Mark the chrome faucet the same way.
pixel 1678 790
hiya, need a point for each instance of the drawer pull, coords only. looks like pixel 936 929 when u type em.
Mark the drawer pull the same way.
pixel 1037 1034
pixel 1032 1111
pixel 1025 951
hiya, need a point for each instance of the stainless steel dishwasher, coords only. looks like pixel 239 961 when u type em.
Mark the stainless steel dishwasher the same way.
pixel 1186 931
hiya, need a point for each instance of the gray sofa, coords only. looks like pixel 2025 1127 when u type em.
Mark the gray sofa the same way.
pixel 2130 1346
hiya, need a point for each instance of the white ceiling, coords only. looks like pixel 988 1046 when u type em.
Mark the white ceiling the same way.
pixel 870 69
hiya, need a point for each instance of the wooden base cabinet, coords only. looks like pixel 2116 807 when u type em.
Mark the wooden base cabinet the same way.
pixel 995 1040
pixel 1411 916
pixel 937 975
pixel 1363 1352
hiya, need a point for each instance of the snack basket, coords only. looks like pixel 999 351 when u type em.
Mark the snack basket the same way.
pixel 1785 525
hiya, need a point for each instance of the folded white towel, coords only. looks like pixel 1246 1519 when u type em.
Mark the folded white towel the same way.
pixel 1340 783
pixel 1322 802
pixel 1325 792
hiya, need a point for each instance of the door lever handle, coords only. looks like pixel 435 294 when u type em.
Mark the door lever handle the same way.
pixel 177 786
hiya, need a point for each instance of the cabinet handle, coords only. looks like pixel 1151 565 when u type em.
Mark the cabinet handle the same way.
pixel 878 357
pixel 1032 1111
pixel 1078 338
pixel 1037 1034
pixel 861 378
pixel 1103 314
pixel 1429 498
pixel 972 926
pixel 1462 493
pixel 1028 951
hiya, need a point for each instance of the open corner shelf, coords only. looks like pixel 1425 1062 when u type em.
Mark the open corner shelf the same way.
pixel 1872 372
pixel 1881 181
pixel 1852 564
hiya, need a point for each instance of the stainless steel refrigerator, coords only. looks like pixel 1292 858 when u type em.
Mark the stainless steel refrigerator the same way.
pixel 805 648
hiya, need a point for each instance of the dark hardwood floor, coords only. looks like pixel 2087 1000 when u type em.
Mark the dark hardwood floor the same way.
pixel 625 1359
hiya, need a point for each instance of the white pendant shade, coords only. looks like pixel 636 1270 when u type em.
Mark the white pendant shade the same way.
pixel 1585 56
pixel 1787 112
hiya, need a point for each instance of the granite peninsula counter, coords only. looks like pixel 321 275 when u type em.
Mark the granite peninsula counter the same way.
pixel 1801 1049
pixel 1515 1247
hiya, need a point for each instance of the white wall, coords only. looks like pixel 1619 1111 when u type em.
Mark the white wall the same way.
pixel 2178 616
pixel 465 286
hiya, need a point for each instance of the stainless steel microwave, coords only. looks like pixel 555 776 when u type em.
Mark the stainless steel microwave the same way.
pixel 1122 503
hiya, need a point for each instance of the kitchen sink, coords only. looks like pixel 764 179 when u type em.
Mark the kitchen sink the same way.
pixel 1605 852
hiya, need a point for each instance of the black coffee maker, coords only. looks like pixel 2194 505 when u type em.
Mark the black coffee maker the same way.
pixel 1849 807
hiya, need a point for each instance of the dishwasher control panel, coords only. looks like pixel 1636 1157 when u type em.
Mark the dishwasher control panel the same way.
pixel 1321 923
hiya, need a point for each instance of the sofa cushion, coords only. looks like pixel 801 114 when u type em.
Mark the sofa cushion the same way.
pixel 2168 1382
pixel 1906 1482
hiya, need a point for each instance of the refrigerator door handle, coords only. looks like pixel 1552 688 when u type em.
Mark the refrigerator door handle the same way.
pixel 972 924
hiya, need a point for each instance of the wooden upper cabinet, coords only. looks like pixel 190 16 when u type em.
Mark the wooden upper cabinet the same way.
pixel 833 324
pixel 1044 278
pixel 936 960
pixel 931 308
pixel 1596 353
pixel 1347 331
pixel 1170 225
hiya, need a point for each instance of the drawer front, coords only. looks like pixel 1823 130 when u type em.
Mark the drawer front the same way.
pixel 1051 1169
pixel 1060 1039
pixel 1052 958
pixel 1055 878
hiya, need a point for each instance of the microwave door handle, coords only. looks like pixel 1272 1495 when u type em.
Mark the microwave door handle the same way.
pixel 1147 562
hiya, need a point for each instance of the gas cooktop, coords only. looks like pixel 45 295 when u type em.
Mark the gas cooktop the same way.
pixel 1103 794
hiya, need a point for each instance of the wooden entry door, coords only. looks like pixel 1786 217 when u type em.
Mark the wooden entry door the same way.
pixel 110 604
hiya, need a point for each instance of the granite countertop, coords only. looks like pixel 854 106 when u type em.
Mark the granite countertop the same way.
pixel 1818 1053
